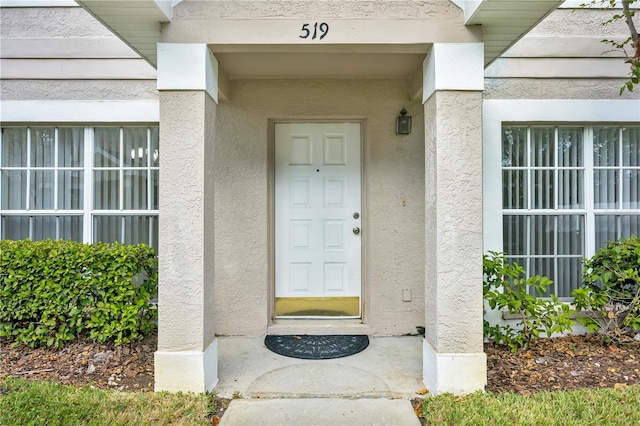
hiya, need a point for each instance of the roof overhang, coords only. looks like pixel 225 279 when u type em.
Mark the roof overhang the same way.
pixel 138 22
pixel 504 22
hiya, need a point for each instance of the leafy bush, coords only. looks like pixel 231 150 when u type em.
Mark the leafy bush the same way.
pixel 505 287
pixel 51 292
pixel 610 294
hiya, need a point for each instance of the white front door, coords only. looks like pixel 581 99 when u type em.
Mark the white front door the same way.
pixel 318 219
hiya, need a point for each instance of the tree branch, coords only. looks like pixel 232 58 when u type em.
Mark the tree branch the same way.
pixel 635 39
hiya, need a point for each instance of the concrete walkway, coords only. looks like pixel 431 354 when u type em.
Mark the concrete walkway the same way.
pixel 373 387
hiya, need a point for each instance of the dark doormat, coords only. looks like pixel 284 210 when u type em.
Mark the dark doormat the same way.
pixel 316 347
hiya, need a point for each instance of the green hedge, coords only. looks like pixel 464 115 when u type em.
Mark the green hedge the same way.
pixel 52 292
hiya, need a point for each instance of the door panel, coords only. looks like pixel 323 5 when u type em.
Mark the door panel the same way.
pixel 318 219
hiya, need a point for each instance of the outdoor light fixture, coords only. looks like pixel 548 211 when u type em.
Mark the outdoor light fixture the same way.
pixel 403 123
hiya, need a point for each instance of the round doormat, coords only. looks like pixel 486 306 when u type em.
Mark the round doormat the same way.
pixel 316 347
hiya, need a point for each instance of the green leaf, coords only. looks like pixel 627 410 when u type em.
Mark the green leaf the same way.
pixel 52 286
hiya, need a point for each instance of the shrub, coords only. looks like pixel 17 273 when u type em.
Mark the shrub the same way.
pixel 610 293
pixel 51 292
pixel 505 287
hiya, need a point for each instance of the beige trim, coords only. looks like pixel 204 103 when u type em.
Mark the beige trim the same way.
pixel 444 70
pixel 72 48
pixel 82 69
pixel 558 68
pixel 187 371
pixel 459 373
pixel 284 31
pixel 563 47
pixel 72 111
pixel 187 66
pixel 38 3
pixel 271 209
pixel 320 326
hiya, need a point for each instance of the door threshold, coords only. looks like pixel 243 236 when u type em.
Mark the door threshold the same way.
pixel 319 326
pixel 316 317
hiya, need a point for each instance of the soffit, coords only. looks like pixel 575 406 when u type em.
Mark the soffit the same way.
pixel 136 22
pixel 504 22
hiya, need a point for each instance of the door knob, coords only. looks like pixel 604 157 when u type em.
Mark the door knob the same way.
pixel 356 230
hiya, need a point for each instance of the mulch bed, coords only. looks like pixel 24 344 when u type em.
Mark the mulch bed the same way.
pixel 83 363
pixel 549 364
pixel 563 363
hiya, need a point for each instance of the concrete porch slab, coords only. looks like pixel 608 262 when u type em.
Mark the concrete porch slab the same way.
pixel 391 367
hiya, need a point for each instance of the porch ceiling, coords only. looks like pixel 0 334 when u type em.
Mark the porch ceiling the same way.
pixel 138 23
pixel 319 65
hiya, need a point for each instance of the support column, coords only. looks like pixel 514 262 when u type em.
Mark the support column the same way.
pixel 186 359
pixel 453 355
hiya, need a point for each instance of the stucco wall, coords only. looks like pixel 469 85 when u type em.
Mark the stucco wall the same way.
pixel 394 197
pixel 46 22
pixel 19 90
pixel 554 88
pixel 187 226
pixel 352 22
pixel 563 58
pixel 453 221
pixel 360 9
pixel 582 22
pixel 63 53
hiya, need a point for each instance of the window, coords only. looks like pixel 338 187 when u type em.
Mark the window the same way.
pixel 616 183
pixel 78 183
pixel 567 190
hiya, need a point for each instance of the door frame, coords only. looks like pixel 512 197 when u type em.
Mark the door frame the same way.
pixel 271 215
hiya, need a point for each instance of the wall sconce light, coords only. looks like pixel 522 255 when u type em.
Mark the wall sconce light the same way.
pixel 403 123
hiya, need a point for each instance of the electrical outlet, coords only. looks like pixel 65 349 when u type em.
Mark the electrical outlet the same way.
pixel 406 295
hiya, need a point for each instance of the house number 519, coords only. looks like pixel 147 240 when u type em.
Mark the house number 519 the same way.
pixel 319 30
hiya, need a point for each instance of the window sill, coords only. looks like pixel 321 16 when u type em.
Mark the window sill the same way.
pixel 506 315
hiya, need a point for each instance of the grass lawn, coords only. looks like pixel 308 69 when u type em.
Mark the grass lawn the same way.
pixel 619 406
pixel 38 403
pixel 47 403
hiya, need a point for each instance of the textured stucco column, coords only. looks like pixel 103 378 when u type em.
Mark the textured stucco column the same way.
pixel 186 359
pixel 453 356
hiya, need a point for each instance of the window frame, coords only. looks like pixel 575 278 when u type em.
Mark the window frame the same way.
pixel 530 213
pixel 88 212
pixel 588 212
pixel 544 112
